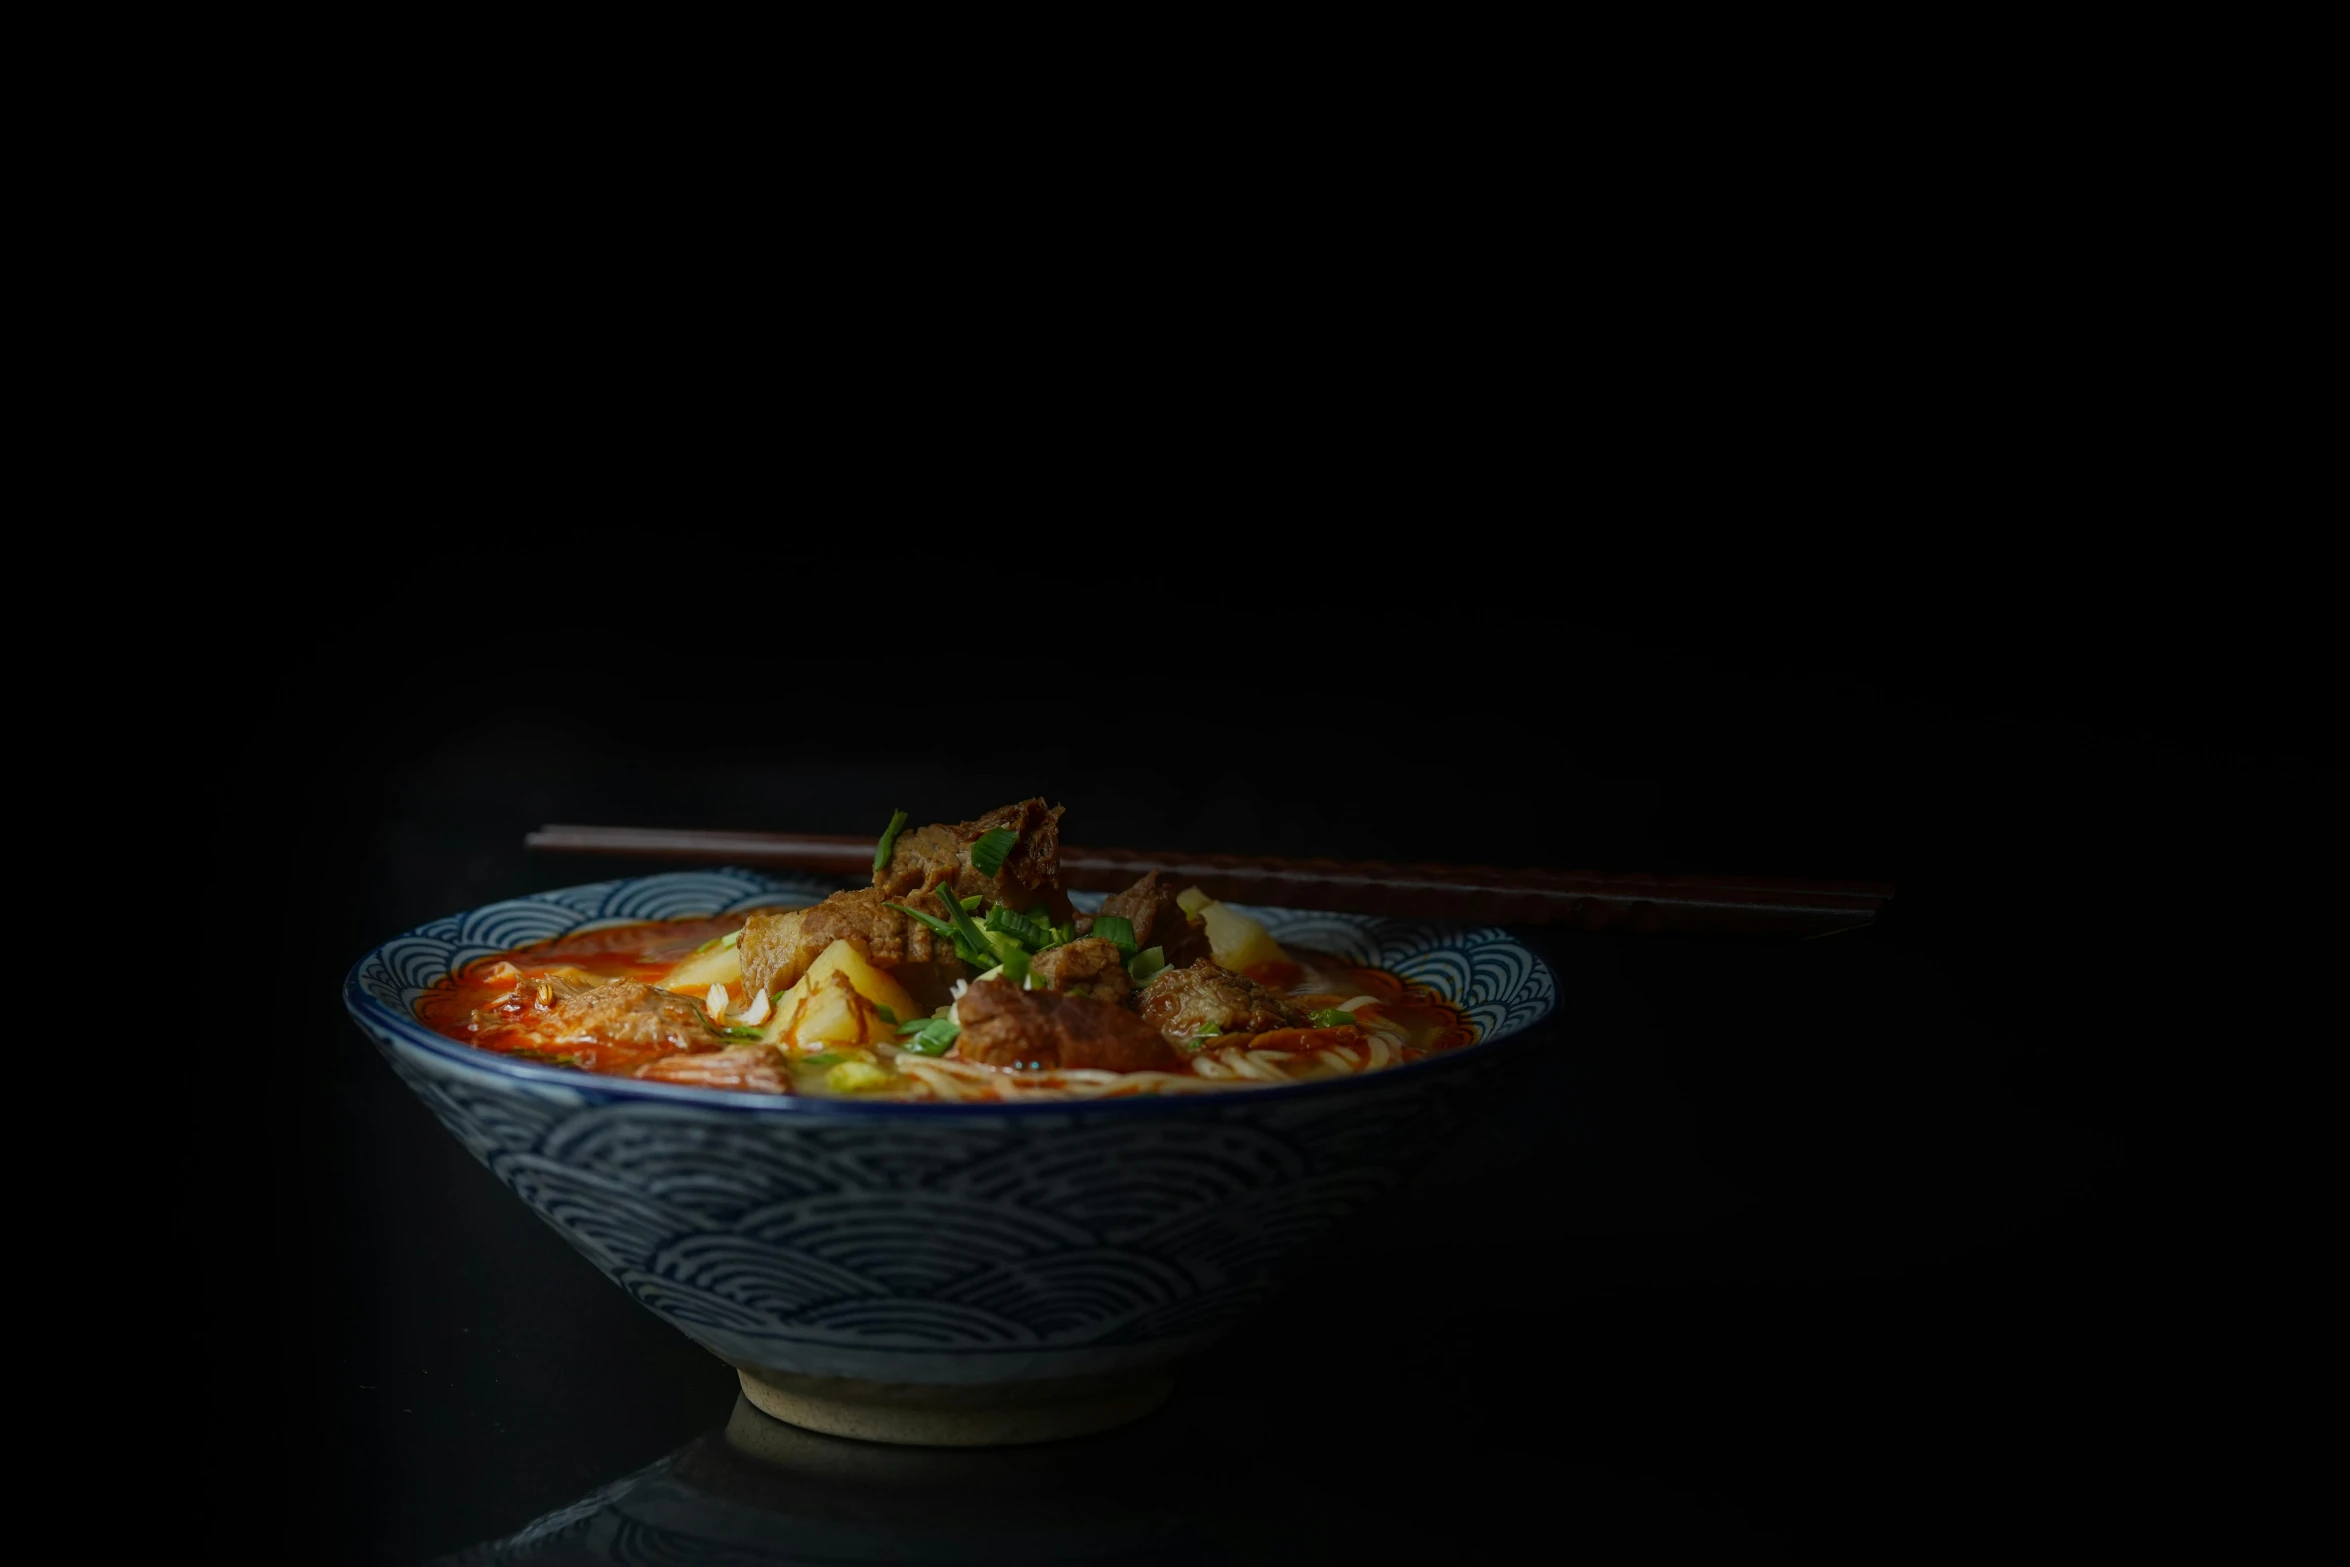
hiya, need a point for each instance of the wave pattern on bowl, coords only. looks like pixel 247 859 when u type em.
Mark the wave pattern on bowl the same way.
pixel 1016 1242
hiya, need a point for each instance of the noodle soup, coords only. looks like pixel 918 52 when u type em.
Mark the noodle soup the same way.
pixel 962 974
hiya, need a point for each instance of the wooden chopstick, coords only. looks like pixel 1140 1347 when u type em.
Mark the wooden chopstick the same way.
pixel 1589 900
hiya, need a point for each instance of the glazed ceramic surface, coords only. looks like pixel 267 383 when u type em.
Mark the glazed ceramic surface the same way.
pixel 938 1244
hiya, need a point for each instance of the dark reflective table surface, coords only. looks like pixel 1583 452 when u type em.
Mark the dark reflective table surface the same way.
pixel 1675 1291
pixel 1171 1488
pixel 1786 1249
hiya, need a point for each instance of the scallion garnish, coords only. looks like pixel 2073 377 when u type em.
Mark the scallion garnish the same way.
pixel 987 855
pixel 937 1037
pixel 733 1032
pixel 1199 1042
pixel 1014 968
pixel 931 920
pixel 1146 963
pixel 889 841
pixel 715 942
pixel 1018 926
pixel 1332 1017
pixel 1117 930
pixel 965 926
pixel 975 955
pixel 885 1014
pixel 1064 934
pixel 974 903
pixel 825 1058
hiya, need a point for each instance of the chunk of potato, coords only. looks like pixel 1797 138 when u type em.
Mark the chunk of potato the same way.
pixel 874 984
pixel 827 1012
pixel 723 966
pixel 836 1000
pixel 1191 900
pixel 1237 942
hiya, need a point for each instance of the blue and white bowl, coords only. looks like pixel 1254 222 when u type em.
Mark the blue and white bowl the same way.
pixel 941 1273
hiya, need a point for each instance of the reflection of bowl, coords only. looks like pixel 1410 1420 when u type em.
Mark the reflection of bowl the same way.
pixel 940 1274
pixel 764 1491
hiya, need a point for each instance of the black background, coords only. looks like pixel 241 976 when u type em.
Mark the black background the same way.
pixel 1852 1243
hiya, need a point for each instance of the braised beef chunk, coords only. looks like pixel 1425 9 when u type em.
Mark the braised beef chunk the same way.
pixel 533 997
pixel 1204 999
pixel 922 858
pixel 1149 906
pixel 939 855
pixel 777 948
pixel 1159 921
pixel 621 1013
pixel 1040 1030
pixel 1186 944
pixel 770 948
pixel 1090 967
pixel 1034 864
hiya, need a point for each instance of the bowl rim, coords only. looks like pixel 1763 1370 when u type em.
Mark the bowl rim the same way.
pixel 378 1019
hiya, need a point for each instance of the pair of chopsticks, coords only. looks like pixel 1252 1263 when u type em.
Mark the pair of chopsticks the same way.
pixel 1588 900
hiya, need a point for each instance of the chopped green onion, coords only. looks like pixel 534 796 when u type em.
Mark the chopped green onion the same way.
pixel 987 855
pixel 889 841
pixel 1146 963
pixel 827 1058
pixel 885 1014
pixel 931 920
pixel 965 927
pixel 973 904
pixel 993 973
pixel 1078 990
pixel 854 1077
pixel 1117 930
pixel 1332 1017
pixel 1064 934
pixel 1199 1042
pixel 715 942
pixel 976 953
pixel 1014 968
pixel 743 1033
pixel 1018 926
pixel 936 1038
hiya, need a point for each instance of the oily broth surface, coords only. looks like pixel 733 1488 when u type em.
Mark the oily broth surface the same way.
pixel 647 952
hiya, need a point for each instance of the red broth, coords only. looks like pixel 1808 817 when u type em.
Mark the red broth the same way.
pixel 1415 1021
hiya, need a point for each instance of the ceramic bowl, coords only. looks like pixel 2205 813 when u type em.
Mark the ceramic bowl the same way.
pixel 942 1274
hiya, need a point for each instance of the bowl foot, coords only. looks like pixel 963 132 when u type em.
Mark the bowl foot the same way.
pixel 956 1417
